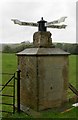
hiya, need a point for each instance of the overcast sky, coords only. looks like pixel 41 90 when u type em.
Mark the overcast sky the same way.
pixel 32 11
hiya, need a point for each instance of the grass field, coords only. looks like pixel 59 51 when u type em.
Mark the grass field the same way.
pixel 9 65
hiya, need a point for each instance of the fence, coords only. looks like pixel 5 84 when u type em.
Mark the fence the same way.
pixel 11 83
pixel 73 89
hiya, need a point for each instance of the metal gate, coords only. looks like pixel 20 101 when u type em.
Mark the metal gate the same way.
pixel 10 84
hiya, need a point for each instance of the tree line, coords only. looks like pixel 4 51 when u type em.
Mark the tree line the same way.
pixel 71 48
pixel 15 48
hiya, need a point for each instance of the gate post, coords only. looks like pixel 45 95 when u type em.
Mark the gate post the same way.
pixel 18 90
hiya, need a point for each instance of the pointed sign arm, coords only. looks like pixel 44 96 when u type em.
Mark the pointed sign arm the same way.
pixel 24 23
pixel 57 26
pixel 62 19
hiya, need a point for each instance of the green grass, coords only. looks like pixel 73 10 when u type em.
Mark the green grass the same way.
pixel 72 73
pixel 72 69
pixel 9 65
pixel 68 113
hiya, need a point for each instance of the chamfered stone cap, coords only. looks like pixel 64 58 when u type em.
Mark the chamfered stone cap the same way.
pixel 43 51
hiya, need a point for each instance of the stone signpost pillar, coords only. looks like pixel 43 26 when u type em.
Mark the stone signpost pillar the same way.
pixel 44 74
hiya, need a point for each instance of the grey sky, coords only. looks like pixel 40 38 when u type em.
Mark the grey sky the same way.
pixel 32 11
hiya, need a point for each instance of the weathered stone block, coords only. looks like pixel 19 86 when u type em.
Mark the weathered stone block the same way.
pixel 42 39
